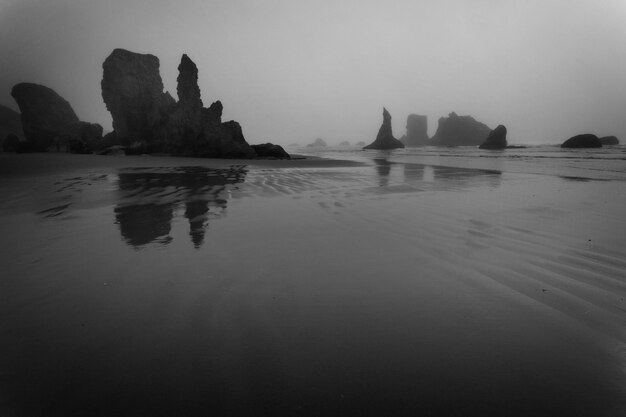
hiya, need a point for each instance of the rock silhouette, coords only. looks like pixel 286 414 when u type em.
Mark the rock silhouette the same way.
pixel 496 139
pixel 146 119
pixel 457 130
pixel 609 140
pixel 132 91
pixel 45 115
pixel 385 139
pixel 270 151
pixel 10 124
pixel 416 131
pixel 586 140
pixel 48 121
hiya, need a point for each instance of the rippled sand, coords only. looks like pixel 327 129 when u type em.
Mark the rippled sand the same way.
pixel 159 287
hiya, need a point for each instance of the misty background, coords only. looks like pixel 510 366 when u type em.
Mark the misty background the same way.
pixel 290 71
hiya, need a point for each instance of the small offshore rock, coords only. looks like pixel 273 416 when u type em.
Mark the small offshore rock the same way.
pixel 496 139
pixel 270 151
pixel 586 140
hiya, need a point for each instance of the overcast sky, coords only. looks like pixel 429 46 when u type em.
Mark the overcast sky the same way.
pixel 291 70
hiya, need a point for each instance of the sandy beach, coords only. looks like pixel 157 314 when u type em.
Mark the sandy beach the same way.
pixel 312 287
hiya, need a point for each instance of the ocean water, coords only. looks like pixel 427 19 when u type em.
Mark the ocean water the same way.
pixel 608 162
pixel 422 282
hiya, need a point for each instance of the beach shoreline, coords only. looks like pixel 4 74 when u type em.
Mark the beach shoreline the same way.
pixel 150 285
pixel 34 164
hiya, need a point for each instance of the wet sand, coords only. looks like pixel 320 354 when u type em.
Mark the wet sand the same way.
pixel 314 287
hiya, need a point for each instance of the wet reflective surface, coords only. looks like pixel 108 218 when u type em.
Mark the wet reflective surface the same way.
pixel 147 200
pixel 392 289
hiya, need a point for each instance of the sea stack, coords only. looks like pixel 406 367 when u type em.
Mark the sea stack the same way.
pixel 456 130
pixel 416 131
pixel 496 139
pixel 385 139
pixel 44 114
pixel 586 140
pixel 146 119
pixel 48 120
pixel 132 91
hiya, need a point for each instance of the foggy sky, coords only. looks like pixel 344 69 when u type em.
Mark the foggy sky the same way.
pixel 291 70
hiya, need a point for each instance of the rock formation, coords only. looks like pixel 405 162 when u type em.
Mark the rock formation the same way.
pixel 385 139
pixel 344 143
pixel 133 93
pixel 48 121
pixel 360 143
pixel 10 123
pixel 457 130
pixel 317 143
pixel 187 88
pixel 45 115
pixel 586 140
pixel 609 141
pixel 146 119
pixel 496 139
pixel 270 151
pixel 416 131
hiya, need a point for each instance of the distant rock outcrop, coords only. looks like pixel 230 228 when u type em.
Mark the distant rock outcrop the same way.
pixel 496 139
pixel 270 151
pixel 10 123
pixel 45 115
pixel 344 143
pixel 146 119
pixel 317 143
pixel 360 143
pixel 457 130
pixel 586 140
pixel 609 141
pixel 416 131
pixel 385 139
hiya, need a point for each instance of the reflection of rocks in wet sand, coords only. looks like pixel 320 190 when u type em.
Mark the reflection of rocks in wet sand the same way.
pixel 442 177
pixel 148 199
pixel 466 177
pixel 420 177
pixel 145 223
pixel 383 169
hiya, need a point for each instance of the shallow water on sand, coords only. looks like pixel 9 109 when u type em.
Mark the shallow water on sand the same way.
pixel 393 288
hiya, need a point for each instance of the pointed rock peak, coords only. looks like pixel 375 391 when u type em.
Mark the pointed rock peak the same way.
pixel 385 139
pixel 187 64
pixel 187 89
pixel 453 114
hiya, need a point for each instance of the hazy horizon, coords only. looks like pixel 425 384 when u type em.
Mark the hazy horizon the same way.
pixel 292 71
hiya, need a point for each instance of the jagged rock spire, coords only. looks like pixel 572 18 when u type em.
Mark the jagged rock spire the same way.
pixel 187 89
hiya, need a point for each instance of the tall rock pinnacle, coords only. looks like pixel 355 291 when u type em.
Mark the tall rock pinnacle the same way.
pixel 187 89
